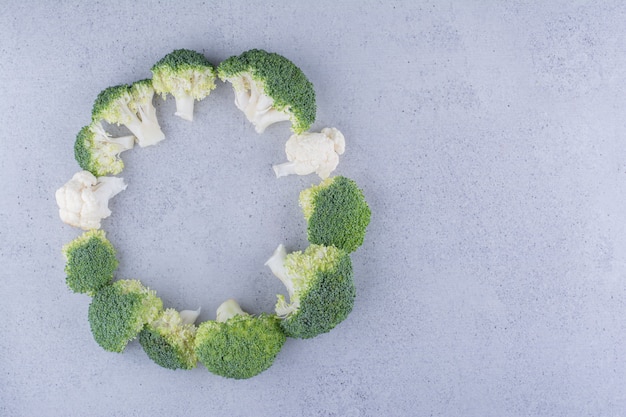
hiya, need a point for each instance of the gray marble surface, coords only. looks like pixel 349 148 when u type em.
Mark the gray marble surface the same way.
pixel 488 138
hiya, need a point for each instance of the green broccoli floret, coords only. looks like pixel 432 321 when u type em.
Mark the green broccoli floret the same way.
pixel 97 152
pixel 169 340
pixel 238 345
pixel 269 88
pixel 320 286
pixel 187 75
pixel 336 213
pixel 90 262
pixel 132 107
pixel 119 311
pixel 143 92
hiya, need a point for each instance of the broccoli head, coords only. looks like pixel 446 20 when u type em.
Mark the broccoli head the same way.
pixel 269 88
pixel 187 75
pixel 169 339
pixel 90 262
pixel 130 106
pixel 320 286
pixel 336 213
pixel 118 312
pixel 97 152
pixel 238 345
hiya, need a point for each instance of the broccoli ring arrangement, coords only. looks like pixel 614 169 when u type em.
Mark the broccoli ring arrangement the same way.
pixel 319 281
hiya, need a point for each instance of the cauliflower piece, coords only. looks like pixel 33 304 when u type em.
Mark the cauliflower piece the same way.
pixel 312 152
pixel 84 200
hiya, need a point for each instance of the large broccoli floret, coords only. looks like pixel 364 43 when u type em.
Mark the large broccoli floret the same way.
pixel 269 88
pixel 320 286
pixel 187 75
pixel 238 345
pixel 336 213
pixel 169 340
pixel 97 152
pixel 124 105
pixel 90 262
pixel 119 311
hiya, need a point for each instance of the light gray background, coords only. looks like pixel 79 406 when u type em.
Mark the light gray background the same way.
pixel 488 138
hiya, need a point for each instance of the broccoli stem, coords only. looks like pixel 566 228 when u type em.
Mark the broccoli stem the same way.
pixel 256 105
pixel 242 98
pixel 151 131
pixel 184 107
pixel 189 316
pixel 277 264
pixel 134 123
pixel 287 168
pixel 262 121
pixel 123 143
pixel 229 309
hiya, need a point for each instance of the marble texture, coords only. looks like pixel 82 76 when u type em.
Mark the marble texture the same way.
pixel 488 138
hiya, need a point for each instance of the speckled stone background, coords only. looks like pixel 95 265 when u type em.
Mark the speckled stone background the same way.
pixel 489 139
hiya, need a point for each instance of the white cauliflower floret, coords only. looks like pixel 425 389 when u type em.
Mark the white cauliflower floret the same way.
pixel 312 152
pixel 84 200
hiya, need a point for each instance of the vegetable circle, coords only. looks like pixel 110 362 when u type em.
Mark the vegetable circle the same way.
pixel 319 281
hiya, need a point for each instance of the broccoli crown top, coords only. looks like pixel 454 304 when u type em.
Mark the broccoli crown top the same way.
pixel 280 79
pixel 336 212
pixel 90 263
pixel 181 60
pixel 98 153
pixel 142 91
pixel 83 150
pixel 241 347
pixel 169 342
pixel 118 312
pixel 323 289
pixel 112 105
pixel 184 72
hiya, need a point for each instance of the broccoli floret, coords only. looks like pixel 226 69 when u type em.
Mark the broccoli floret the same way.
pixel 238 345
pixel 187 75
pixel 269 88
pixel 90 262
pixel 169 339
pixel 119 311
pixel 97 152
pixel 320 286
pixel 121 105
pixel 143 93
pixel 336 213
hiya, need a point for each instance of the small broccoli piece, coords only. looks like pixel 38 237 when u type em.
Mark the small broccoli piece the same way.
pixel 336 213
pixel 238 345
pixel 97 152
pixel 90 262
pixel 269 88
pixel 121 105
pixel 320 286
pixel 118 312
pixel 169 340
pixel 187 75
